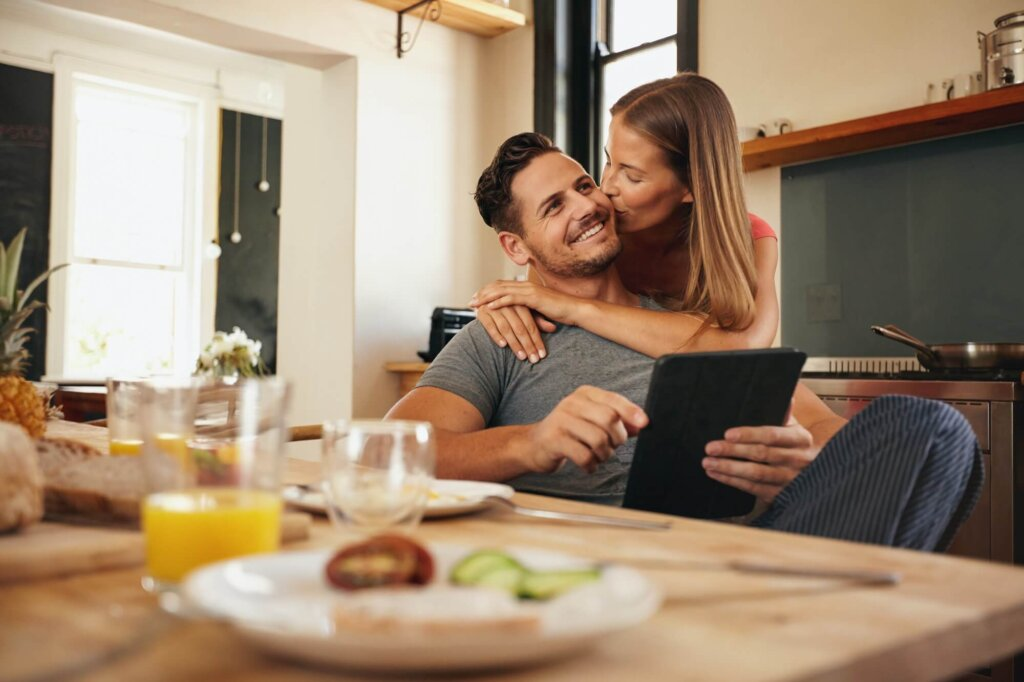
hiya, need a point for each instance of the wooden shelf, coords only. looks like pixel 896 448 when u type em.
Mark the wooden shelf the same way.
pixel 473 16
pixel 992 109
pixel 409 374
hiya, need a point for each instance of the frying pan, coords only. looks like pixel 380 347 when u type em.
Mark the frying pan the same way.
pixel 970 355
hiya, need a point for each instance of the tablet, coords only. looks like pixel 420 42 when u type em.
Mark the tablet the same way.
pixel 693 398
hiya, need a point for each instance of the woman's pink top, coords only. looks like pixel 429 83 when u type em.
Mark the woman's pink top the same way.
pixel 760 229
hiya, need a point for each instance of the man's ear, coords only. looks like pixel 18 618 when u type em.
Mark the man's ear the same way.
pixel 514 248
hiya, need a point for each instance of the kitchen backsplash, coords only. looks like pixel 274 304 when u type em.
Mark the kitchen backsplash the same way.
pixel 928 236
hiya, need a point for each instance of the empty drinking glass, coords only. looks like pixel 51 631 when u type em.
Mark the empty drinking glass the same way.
pixel 377 474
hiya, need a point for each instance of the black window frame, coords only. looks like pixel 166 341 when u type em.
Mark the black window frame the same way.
pixel 571 39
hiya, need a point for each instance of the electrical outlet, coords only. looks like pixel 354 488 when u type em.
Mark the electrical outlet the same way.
pixel 824 303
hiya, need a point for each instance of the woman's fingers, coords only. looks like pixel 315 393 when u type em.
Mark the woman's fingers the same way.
pixel 484 294
pixel 522 326
pixel 486 318
pixel 501 309
pixel 544 324
pixel 496 290
pixel 513 327
pixel 526 318
pixel 503 331
pixel 504 301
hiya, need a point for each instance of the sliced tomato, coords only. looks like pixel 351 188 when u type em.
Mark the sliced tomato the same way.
pixel 424 565
pixel 382 560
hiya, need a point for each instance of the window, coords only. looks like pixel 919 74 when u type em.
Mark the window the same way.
pixel 130 300
pixel 588 53
pixel 638 41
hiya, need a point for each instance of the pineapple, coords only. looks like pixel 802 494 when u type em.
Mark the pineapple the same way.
pixel 20 403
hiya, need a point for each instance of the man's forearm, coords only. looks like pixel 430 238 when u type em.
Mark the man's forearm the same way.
pixel 465 447
pixel 495 454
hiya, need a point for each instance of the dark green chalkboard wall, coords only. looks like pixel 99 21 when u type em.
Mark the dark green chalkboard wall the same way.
pixel 928 236
pixel 247 271
pixel 26 120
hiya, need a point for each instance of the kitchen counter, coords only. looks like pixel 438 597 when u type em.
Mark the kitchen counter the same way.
pixel 408 374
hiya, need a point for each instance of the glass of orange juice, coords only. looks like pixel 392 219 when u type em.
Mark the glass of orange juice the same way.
pixel 123 423
pixel 213 453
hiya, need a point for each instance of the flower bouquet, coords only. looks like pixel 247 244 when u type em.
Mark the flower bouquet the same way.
pixel 231 356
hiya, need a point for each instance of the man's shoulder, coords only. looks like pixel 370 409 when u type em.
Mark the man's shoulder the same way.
pixel 473 336
pixel 472 345
pixel 470 366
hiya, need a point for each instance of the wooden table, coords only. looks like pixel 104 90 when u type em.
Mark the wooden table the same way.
pixel 82 403
pixel 948 615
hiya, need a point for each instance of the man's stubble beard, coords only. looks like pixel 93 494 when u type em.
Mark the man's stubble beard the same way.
pixel 594 265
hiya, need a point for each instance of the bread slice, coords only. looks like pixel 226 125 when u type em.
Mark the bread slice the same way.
pixel 82 482
pixel 21 483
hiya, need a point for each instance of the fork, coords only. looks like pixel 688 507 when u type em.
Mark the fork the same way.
pixel 580 518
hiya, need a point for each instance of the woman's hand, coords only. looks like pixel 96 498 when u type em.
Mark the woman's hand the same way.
pixel 760 460
pixel 516 327
pixel 549 303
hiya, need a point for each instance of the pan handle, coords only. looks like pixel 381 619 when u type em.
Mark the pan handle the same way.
pixel 908 336
pixel 894 333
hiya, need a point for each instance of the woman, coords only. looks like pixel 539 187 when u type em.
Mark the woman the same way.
pixel 673 174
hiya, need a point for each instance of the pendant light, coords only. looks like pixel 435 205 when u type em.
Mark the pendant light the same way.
pixel 236 236
pixel 212 250
pixel 263 184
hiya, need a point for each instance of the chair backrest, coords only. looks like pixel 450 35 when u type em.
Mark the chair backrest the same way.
pixel 306 432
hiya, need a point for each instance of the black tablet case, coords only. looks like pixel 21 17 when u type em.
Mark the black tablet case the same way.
pixel 694 398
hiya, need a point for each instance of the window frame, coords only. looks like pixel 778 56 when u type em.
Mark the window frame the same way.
pixel 684 38
pixel 571 49
pixel 194 309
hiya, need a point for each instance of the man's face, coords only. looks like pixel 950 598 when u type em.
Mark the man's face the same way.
pixel 567 222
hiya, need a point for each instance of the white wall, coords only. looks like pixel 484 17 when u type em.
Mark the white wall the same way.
pixel 316 285
pixel 820 62
pixel 508 109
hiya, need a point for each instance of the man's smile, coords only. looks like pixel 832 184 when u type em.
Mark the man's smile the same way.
pixel 588 233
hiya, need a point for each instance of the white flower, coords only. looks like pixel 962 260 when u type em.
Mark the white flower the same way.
pixel 230 355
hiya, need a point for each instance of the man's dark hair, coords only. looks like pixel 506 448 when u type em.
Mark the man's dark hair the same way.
pixel 494 188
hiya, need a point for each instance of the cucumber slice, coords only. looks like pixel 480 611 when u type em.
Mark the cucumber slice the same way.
pixel 474 567
pixel 506 578
pixel 547 584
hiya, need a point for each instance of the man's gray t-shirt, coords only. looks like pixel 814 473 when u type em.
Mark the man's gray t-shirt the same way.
pixel 508 391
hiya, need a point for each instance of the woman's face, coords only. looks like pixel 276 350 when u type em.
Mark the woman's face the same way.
pixel 643 188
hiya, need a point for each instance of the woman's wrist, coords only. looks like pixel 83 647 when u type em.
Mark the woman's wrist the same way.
pixel 584 313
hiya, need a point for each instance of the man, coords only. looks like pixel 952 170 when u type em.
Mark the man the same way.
pixel 906 472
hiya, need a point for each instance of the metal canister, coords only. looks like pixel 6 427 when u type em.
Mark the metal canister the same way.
pixel 1002 52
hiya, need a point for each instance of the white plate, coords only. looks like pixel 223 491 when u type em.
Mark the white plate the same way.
pixel 283 603
pixel 449 497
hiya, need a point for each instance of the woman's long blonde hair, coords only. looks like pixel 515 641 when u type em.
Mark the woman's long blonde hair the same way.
pixel 690 119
